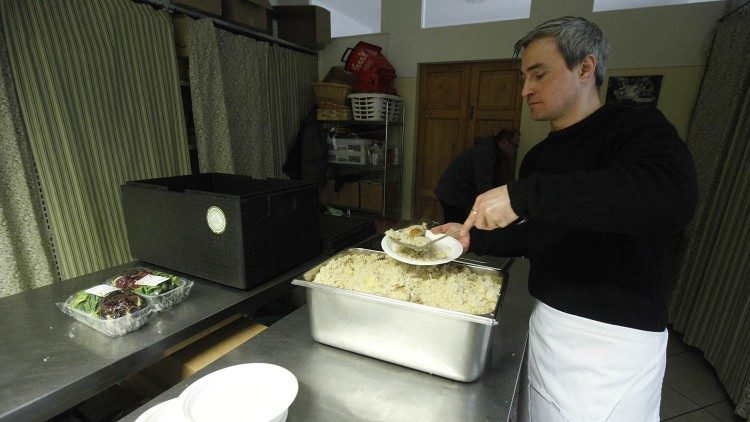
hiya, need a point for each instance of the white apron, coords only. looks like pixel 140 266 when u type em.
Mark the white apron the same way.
pixel 585 370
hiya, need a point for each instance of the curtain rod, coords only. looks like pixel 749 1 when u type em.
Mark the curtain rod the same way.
pixel 723 18
pixel 167 4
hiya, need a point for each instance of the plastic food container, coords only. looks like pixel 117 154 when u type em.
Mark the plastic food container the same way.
pixel 228 228
pixel 178 294
pixel 161 301
pixel 112 327
pixel 404 333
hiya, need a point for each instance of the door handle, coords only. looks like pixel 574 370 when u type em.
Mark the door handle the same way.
pixel 471 112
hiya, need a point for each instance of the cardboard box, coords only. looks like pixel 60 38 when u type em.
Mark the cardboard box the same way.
pixel 348 195
pixel 308 26
pixel 179 24
pixel 204 352
pixel 252 13
pixel 199 354
pixel 371 196
pixel 328 193
pixel 209 6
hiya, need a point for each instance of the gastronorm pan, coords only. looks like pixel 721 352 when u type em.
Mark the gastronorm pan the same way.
pixel 442 342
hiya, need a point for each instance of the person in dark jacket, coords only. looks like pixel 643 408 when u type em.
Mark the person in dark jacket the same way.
pixel 308 157
pixel 476 170
pixel 599 199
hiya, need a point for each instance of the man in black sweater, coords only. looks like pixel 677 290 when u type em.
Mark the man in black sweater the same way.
pixel 598 198
pixel 476 170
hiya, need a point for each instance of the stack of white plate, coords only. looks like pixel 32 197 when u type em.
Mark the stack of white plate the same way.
pixel 259 392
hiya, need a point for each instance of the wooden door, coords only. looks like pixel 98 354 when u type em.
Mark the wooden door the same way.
pixel 459 102
pixel 442 119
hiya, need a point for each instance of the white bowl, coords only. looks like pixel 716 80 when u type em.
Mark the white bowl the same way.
pixel 168 411
pixel 259 392
pixel 450 245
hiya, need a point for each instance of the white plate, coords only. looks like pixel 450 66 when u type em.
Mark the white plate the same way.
pixel 449 245
pixel 168 411
pixel 247 392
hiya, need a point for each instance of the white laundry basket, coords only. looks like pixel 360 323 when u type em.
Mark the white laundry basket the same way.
pixel 368 106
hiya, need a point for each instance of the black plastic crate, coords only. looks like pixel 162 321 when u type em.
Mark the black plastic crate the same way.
pixel 338 233
pixel 231 229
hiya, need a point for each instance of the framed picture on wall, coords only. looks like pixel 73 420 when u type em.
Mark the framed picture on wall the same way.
pixel 634 91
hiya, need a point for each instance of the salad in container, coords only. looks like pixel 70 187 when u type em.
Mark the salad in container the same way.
pixel 108 309
pixel 162 289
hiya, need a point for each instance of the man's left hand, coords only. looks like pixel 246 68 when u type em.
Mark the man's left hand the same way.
pixel 464 238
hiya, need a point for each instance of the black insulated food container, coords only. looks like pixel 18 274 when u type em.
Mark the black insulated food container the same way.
pixel 338 232
pixel 230 229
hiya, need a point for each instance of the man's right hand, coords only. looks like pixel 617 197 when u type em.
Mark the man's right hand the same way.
pixel 491 210
pixel 452 227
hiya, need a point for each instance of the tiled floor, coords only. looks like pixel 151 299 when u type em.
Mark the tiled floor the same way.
pixel 691 391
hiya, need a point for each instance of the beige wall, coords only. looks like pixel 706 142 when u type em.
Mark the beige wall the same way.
pixel 672 41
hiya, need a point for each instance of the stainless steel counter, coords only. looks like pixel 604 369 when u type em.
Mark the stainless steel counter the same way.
pixel 338 385
pixel 50 362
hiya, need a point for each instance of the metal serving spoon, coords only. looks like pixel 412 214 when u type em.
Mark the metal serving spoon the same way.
pixel 422 248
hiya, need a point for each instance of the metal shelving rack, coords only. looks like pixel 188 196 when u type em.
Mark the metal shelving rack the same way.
pixel 400 167
pixel 385 170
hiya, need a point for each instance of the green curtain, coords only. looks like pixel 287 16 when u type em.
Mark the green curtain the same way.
pixel 99 94
pixel 711 303
pixel 229 91
pixel 26 258
pixel 292 74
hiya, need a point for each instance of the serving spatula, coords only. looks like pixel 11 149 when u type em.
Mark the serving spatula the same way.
pixel 422 248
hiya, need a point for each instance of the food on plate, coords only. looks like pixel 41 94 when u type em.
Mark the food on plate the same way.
pixel 417 231
pixel 415 235
pixel 445 286
pixel 130 280
pixel 115 304
pixel 432 253
pixel 412 235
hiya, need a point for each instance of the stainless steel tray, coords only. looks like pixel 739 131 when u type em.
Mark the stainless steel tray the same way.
pixel 451 344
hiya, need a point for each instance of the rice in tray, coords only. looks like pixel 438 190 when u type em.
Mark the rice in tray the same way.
pixel 443 286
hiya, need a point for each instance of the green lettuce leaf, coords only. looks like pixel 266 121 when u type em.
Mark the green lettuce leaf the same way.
pixel 160 288
pixel 85 302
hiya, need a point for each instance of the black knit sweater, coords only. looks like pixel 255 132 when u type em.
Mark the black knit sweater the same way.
pixel 602 198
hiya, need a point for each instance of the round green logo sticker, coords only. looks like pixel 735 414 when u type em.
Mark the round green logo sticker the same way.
pixel 216 220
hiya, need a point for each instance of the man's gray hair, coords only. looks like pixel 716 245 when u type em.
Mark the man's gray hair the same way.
pixel 576 39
